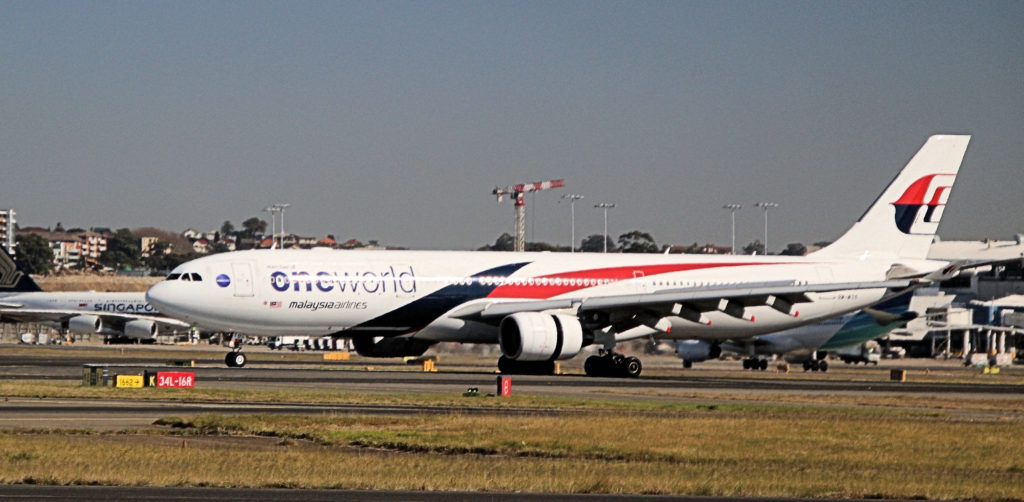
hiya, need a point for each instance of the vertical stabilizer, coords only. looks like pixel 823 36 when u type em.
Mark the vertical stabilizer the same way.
pixel 904 219
pixel 13 278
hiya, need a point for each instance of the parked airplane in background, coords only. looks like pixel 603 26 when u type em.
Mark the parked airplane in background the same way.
pixel 81 312
pixel 804 344
pixel 543 307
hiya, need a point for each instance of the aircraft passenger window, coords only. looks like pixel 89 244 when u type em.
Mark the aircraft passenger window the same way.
pixel 173 277
pixel 196 277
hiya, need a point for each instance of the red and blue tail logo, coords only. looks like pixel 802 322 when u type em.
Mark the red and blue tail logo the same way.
pixel 930 192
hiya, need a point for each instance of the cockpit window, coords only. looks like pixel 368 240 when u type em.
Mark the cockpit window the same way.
pixel 185 277
pixel 196 277
pixel 173 277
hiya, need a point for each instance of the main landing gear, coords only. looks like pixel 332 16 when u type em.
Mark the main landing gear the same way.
pixel 756 364
pixel 610 364
pixel 512 367
pixel 816 365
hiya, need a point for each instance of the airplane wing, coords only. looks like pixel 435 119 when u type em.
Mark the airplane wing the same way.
pixel 113 319
pixel 731 299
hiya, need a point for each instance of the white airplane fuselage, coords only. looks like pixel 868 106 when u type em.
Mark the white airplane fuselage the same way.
pixel 386 293
pixel 88 302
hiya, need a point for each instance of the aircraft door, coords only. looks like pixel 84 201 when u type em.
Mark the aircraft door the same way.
pixel 243 279
pixel 641 284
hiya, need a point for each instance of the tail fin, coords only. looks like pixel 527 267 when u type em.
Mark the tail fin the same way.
pixel 903 220
pixel 13 278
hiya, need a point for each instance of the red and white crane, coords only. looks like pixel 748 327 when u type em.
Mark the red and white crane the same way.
pixel 518 192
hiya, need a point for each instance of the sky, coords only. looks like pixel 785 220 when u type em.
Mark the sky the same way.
pixel 394 120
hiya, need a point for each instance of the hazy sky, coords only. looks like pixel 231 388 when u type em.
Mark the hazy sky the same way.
pixel 394 120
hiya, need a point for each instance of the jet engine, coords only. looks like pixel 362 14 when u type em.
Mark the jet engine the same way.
pixel 390 346
pixel 85 324
pixel 533 336
pixel 143 330
pixel 695 351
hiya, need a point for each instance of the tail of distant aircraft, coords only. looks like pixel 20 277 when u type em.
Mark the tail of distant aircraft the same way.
pixel 903 220
pixel 13 278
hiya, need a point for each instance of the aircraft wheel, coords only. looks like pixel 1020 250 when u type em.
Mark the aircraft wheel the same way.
pixel 746 364
pixel 687 364
pixel 807 366
pixel 631 367
pixel 762 364
pixel 603 366
pixel 235 360
pixel 823 365
pixel 512 367
pixel 504 365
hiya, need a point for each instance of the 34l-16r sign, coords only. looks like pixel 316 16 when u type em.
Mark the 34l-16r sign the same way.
pixel 176 379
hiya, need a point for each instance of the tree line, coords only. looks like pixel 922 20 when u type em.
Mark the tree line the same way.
pixel 636 241
pixel 124 247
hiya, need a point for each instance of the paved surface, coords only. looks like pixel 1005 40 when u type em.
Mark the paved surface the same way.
pixel 290 371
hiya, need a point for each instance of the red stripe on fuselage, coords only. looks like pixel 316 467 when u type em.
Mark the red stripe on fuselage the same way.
pixel 548 286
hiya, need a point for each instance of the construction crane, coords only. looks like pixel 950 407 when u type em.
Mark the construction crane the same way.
pixel 517 192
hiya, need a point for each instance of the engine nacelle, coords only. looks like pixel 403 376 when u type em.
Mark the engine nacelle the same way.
pixel 143 330
pixel 533 336
pixel 390 346
pixel 85 324
pixel 696 351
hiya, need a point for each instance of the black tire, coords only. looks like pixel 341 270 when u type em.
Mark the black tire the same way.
pixel 762 364
pixel 512 367
pixel 631 367
pixel 807 366
pixel 235 359
pixel 504 365
pixel 687 364
pixel 824 366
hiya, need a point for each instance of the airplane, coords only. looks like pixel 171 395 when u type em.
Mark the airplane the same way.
pixel 544 307
pixel 805 344
pixel 119 315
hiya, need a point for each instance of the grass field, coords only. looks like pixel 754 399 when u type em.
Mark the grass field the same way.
pixel 744 448
pixel 94 282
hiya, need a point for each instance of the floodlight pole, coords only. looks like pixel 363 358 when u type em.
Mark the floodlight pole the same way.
pixel 766 206
pixel 732 210
pixel 281 208
pixel 573 197
pixel 605 206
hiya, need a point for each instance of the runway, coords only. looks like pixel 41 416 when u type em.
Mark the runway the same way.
pixel 298 372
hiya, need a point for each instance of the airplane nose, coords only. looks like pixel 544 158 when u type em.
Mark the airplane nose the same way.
pixel 159 297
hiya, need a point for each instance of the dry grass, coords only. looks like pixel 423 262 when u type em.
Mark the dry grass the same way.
pixel 1003 407
pixel 684 446
pixel 95 282
pixel 1011 405
pixel 800 452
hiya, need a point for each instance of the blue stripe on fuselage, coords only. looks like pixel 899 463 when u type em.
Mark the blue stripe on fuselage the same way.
pixel 417 314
